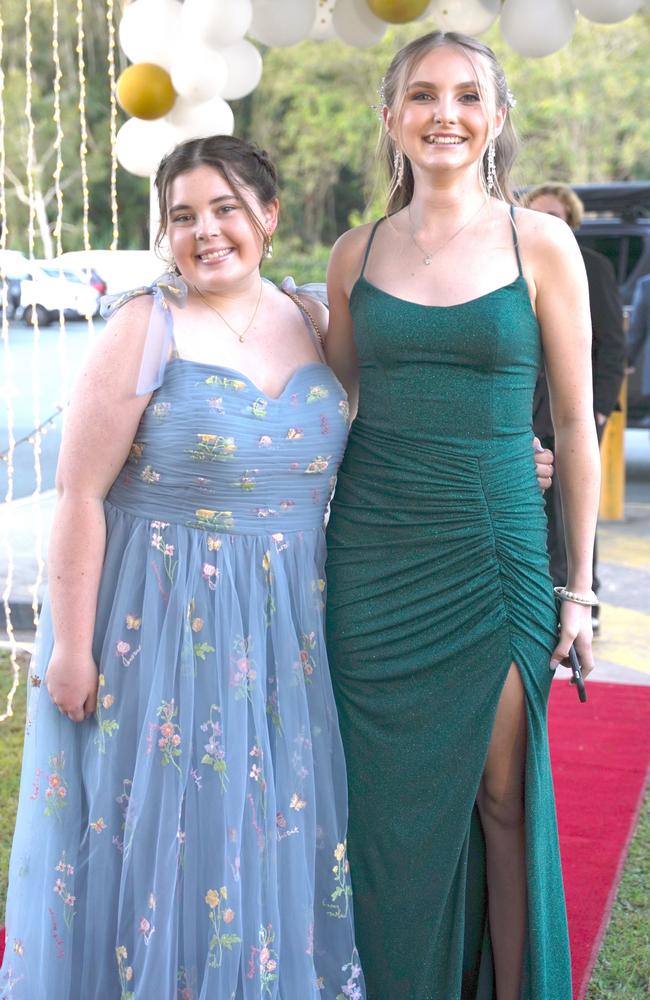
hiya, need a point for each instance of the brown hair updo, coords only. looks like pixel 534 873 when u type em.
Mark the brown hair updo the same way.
pixel 242 164
pixel 494 94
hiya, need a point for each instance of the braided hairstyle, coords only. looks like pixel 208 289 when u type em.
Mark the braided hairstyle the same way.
pixel 242 164
pixel 494 94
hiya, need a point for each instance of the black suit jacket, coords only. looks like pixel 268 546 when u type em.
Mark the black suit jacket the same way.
pixel 607 345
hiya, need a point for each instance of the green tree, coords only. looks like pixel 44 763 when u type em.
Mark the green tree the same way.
pixel 582 115
pixel 133 192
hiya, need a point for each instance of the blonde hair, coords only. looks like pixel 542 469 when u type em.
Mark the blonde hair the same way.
pixel 493 92
pixel 569 200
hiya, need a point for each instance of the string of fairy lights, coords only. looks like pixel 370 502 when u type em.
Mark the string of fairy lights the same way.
pixel 7 361
pixel 112 76
pixel 8 390
pixel 36 333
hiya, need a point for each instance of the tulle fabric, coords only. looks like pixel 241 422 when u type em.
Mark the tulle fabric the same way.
pixel 189 841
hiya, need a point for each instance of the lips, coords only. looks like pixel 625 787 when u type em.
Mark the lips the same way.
pixel 220 253
pixel 444 140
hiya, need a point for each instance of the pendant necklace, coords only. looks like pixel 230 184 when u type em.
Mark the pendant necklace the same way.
pixel 430 254
pixel 240 336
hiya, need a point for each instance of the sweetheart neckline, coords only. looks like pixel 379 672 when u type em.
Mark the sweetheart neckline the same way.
pixel 242 375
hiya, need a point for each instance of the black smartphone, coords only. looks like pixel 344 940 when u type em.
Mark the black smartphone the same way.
pixel 576 674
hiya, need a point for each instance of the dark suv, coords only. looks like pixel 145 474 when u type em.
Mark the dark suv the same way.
pixel 617 224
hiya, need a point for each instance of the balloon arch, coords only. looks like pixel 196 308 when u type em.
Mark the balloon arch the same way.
pixel 189 59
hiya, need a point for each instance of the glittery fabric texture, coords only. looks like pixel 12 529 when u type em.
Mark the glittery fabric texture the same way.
pixel 438 580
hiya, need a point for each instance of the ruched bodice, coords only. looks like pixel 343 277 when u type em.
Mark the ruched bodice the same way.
pixel 438 581
pixel 214 452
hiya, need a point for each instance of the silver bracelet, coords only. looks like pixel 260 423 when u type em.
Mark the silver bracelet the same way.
pixel 563 594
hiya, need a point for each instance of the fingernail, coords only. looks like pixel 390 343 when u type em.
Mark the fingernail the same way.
pixel 537 447
pixel 554 664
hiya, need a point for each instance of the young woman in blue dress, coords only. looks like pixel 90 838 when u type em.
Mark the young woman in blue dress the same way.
pixel 181 829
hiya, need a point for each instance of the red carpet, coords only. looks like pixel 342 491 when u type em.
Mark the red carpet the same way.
pixel 600 754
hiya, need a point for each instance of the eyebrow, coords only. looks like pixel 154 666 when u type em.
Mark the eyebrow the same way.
pixel 213 201
pixel 427 85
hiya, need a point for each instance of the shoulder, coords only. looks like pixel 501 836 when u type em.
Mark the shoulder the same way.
pixel 543 231
pixel 549 249
pixel 127 327
pixel 136 309
pixel 346 259
pixel 352 245
pixel 316 308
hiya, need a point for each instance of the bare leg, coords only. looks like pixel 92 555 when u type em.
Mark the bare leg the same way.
pixel 501 807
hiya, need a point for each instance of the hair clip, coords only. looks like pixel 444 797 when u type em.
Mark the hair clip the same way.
pixel 511 100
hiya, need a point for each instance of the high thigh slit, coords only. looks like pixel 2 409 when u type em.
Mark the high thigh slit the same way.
pixel 438 582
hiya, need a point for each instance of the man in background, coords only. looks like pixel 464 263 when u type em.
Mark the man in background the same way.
pixel 638 334
pixel 608 363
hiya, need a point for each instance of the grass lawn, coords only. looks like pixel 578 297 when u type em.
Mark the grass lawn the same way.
pixel 11 749
pixel 623 968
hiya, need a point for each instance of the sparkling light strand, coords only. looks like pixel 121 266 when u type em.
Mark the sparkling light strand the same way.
pixel 110 21
pixel 58 141
pixel 8 369
pixel 64 370
pixel 83 145
pixel 36 339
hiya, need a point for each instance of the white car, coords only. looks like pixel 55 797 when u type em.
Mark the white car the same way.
pixel 50 290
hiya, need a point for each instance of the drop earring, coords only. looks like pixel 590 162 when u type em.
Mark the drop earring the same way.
pixel 491 173
pixel 267 247
pixel 398 167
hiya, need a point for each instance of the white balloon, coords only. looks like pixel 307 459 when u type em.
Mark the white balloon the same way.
pixel 537 29
pixel 141 145
pixel 217 22
pixel 355 24
pixel 472 17
pixel 608 11
pixel 243 67
pixel 198 72
pixel 322 28
pixel 149 31
pixel 282 22
pixel 193 121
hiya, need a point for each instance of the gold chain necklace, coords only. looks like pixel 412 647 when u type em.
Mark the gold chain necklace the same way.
pixel 430 254
pixel 241 336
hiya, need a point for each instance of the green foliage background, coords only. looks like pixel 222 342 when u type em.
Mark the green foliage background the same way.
pixel 582 114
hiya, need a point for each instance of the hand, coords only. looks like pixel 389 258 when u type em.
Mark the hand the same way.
pixel 72 682
pixel 575 629
pixel 543 464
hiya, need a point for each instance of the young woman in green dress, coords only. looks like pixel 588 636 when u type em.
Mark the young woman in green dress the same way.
pixel 442 624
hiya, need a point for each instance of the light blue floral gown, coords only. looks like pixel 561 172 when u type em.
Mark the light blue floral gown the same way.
pixel 188 842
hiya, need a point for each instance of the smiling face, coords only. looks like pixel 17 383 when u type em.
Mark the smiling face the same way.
pixel 212 236
pixel 443 123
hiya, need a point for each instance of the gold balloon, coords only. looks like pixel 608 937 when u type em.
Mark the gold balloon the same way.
pixel 398 11
pixel 145 90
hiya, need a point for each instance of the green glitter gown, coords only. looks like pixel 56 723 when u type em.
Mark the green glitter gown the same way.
pixel 437 581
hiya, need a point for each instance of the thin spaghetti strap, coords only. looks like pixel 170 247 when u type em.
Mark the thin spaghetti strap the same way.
pixel 368 245
pixel 515 238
